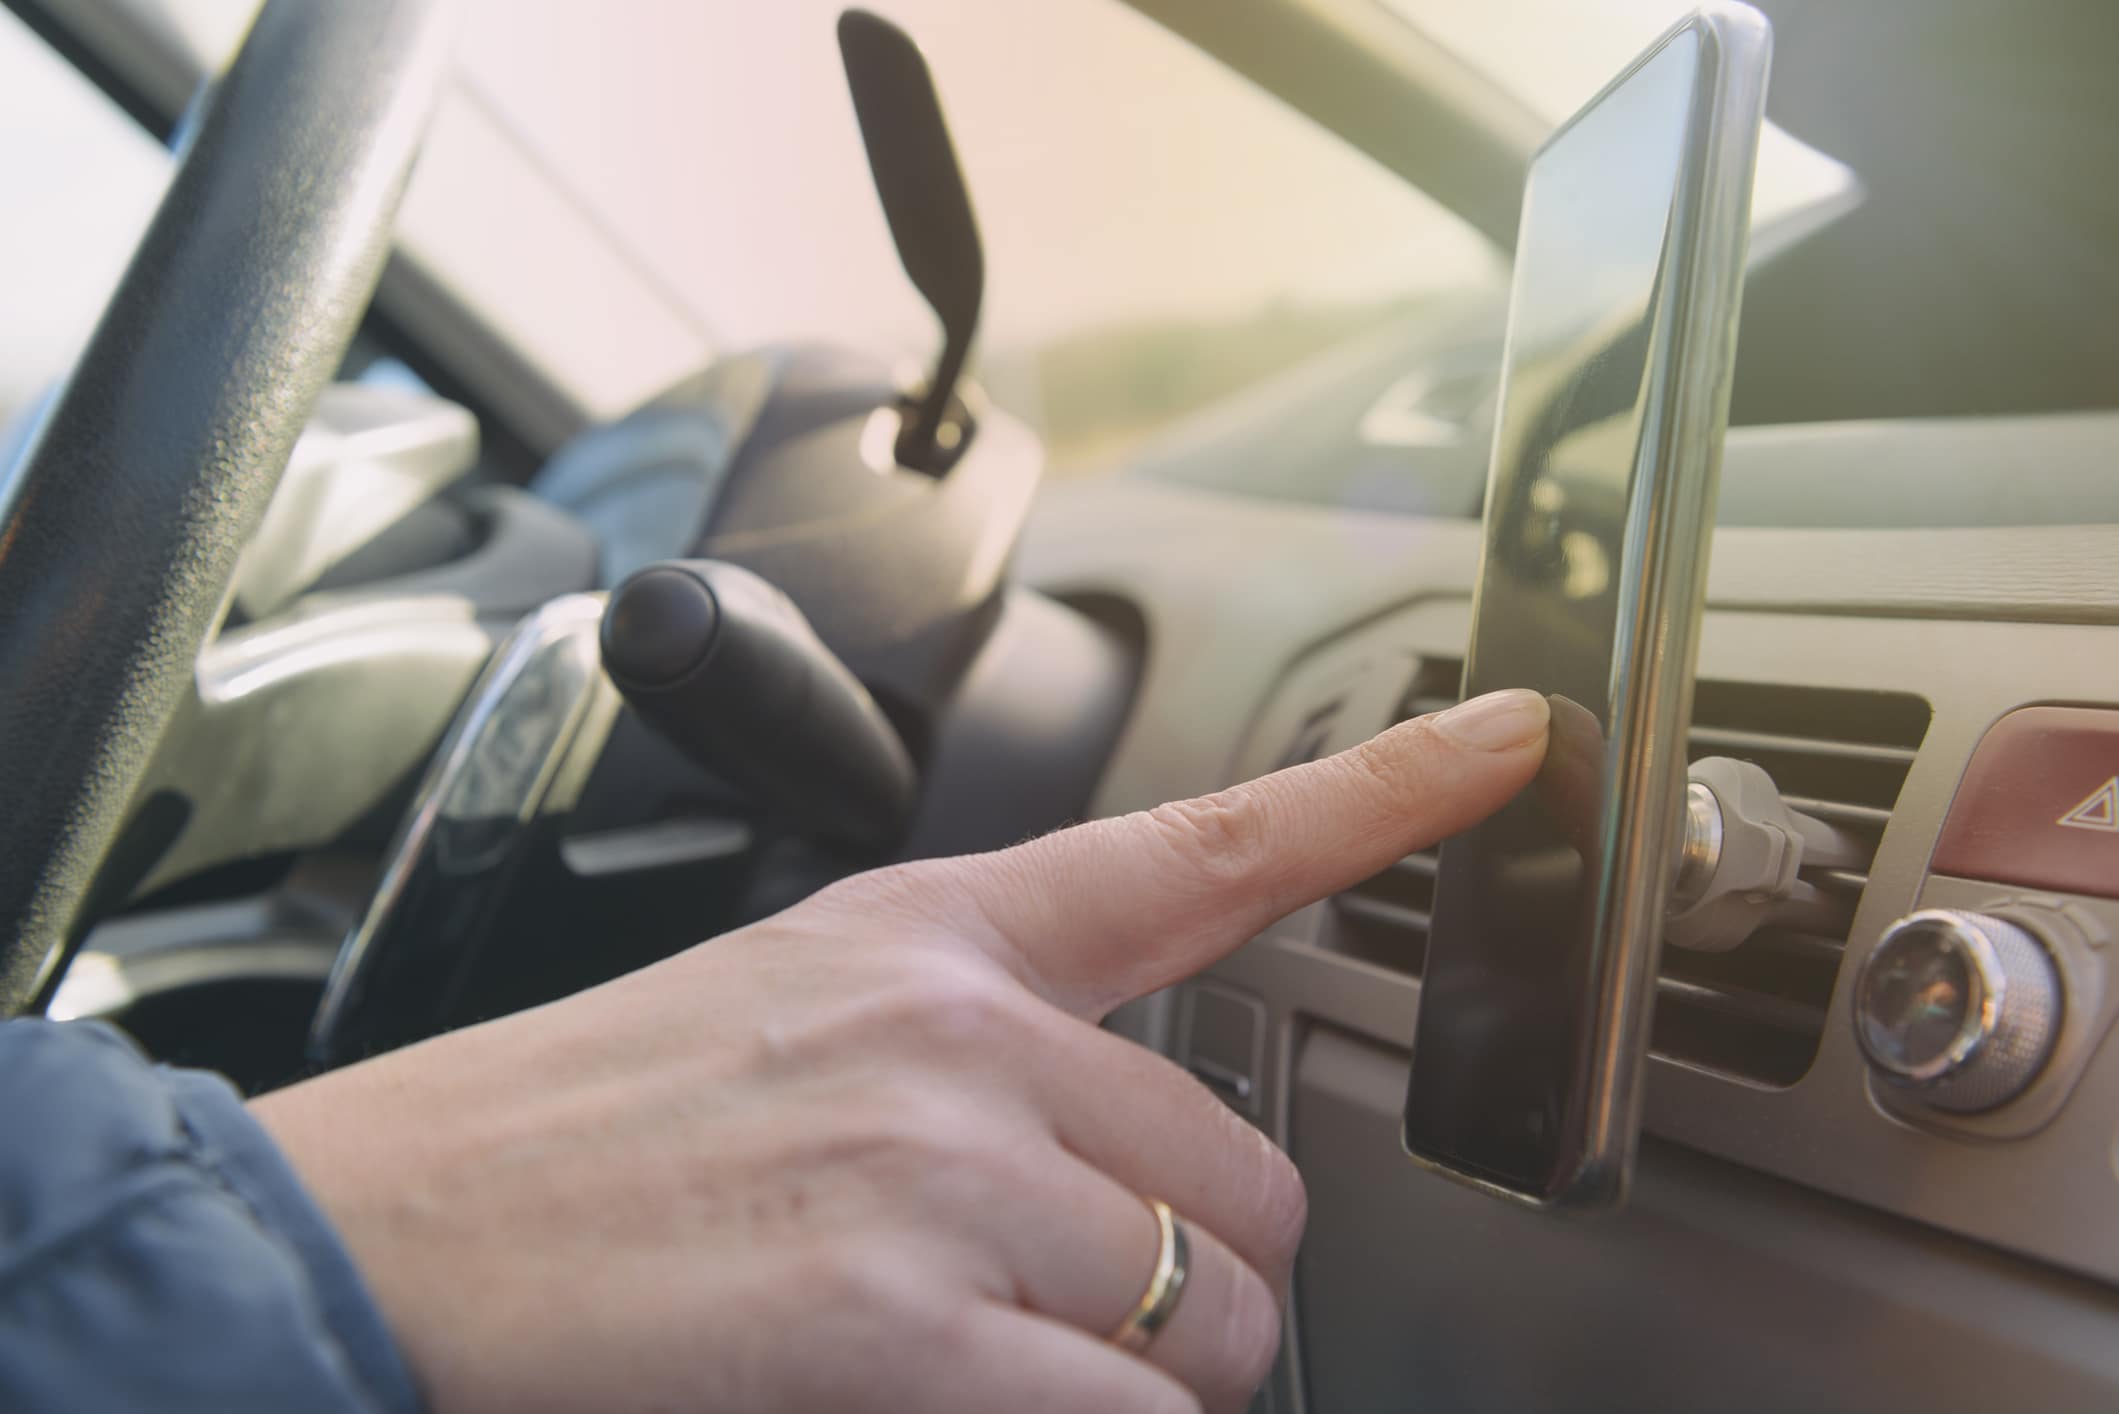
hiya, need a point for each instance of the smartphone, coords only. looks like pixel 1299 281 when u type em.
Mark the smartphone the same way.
pixel 1540 975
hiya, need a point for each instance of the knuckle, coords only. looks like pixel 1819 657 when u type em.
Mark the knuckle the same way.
pixel 923 1126
pixel 945 1135
pixel 1401 762
pixel 1219 836
pixel 944 1150
pixel 852 1275
pixel 975 1166
pixel 934 1003
pixel 949 1333
pixel 962 1011
pixel 901 1132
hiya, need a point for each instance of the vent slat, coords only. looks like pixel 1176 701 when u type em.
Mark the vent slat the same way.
pixel 1383 913
pixel 1421 866
pixel 1840 881
pixel 1841 812
pixel 1801 948
pixel 1751 1008
pixel 1735 741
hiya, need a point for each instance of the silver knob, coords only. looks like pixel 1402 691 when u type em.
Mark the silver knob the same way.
pixel 1959 1009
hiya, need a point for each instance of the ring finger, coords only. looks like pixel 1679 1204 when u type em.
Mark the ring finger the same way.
pixel 1093 1268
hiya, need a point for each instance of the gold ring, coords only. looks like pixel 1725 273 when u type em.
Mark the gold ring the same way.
pixel 1159 1301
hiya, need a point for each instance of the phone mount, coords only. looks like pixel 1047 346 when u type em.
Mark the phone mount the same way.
pixel 1741 857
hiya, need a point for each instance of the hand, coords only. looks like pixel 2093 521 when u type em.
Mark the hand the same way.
pixel 874 1153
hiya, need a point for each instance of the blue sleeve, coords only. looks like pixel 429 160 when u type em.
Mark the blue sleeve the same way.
pixel 157 1251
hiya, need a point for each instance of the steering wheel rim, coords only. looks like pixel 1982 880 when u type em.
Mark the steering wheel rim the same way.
pixel 121 525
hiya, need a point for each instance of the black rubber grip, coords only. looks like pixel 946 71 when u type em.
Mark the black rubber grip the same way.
pixel 727 669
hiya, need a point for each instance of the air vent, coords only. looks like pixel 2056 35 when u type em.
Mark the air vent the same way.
pixel 1756 1012
pixel 1310 738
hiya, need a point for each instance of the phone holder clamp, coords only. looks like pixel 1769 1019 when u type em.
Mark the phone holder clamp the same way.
pixel 1742 852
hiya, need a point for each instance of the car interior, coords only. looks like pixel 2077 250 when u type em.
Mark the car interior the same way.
pixel 1046 409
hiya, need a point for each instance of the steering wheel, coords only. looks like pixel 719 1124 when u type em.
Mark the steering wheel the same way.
pixel 120 528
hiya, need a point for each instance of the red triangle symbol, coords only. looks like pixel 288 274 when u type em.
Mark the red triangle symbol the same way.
pixel 2098 811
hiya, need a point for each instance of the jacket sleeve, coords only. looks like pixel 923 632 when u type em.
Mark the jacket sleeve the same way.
pixel 158 1252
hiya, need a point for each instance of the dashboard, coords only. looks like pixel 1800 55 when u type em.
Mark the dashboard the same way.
pixel 1799 1236
pixel 1882 595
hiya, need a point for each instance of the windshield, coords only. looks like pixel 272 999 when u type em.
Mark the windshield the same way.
pixel 1159 233
pixel 1187 277
pixel 1936 244
pixel 1144 256
pixel 56 128
pixel 1553 57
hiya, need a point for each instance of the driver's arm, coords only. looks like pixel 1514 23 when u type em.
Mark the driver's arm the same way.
pixel 156 1252
pixel 872 1153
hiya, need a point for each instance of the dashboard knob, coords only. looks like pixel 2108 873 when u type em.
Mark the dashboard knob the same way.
pixel 1958 1009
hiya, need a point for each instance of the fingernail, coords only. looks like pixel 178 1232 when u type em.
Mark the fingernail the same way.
pixel 1497 721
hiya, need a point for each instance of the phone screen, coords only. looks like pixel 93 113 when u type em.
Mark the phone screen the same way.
pixel 1507 1052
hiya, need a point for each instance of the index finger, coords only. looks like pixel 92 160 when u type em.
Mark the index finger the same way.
pixel 1095 915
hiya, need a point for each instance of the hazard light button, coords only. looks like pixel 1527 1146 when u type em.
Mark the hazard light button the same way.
pixel 2040 804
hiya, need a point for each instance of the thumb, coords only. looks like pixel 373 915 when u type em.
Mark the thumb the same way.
pixel 1104 912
